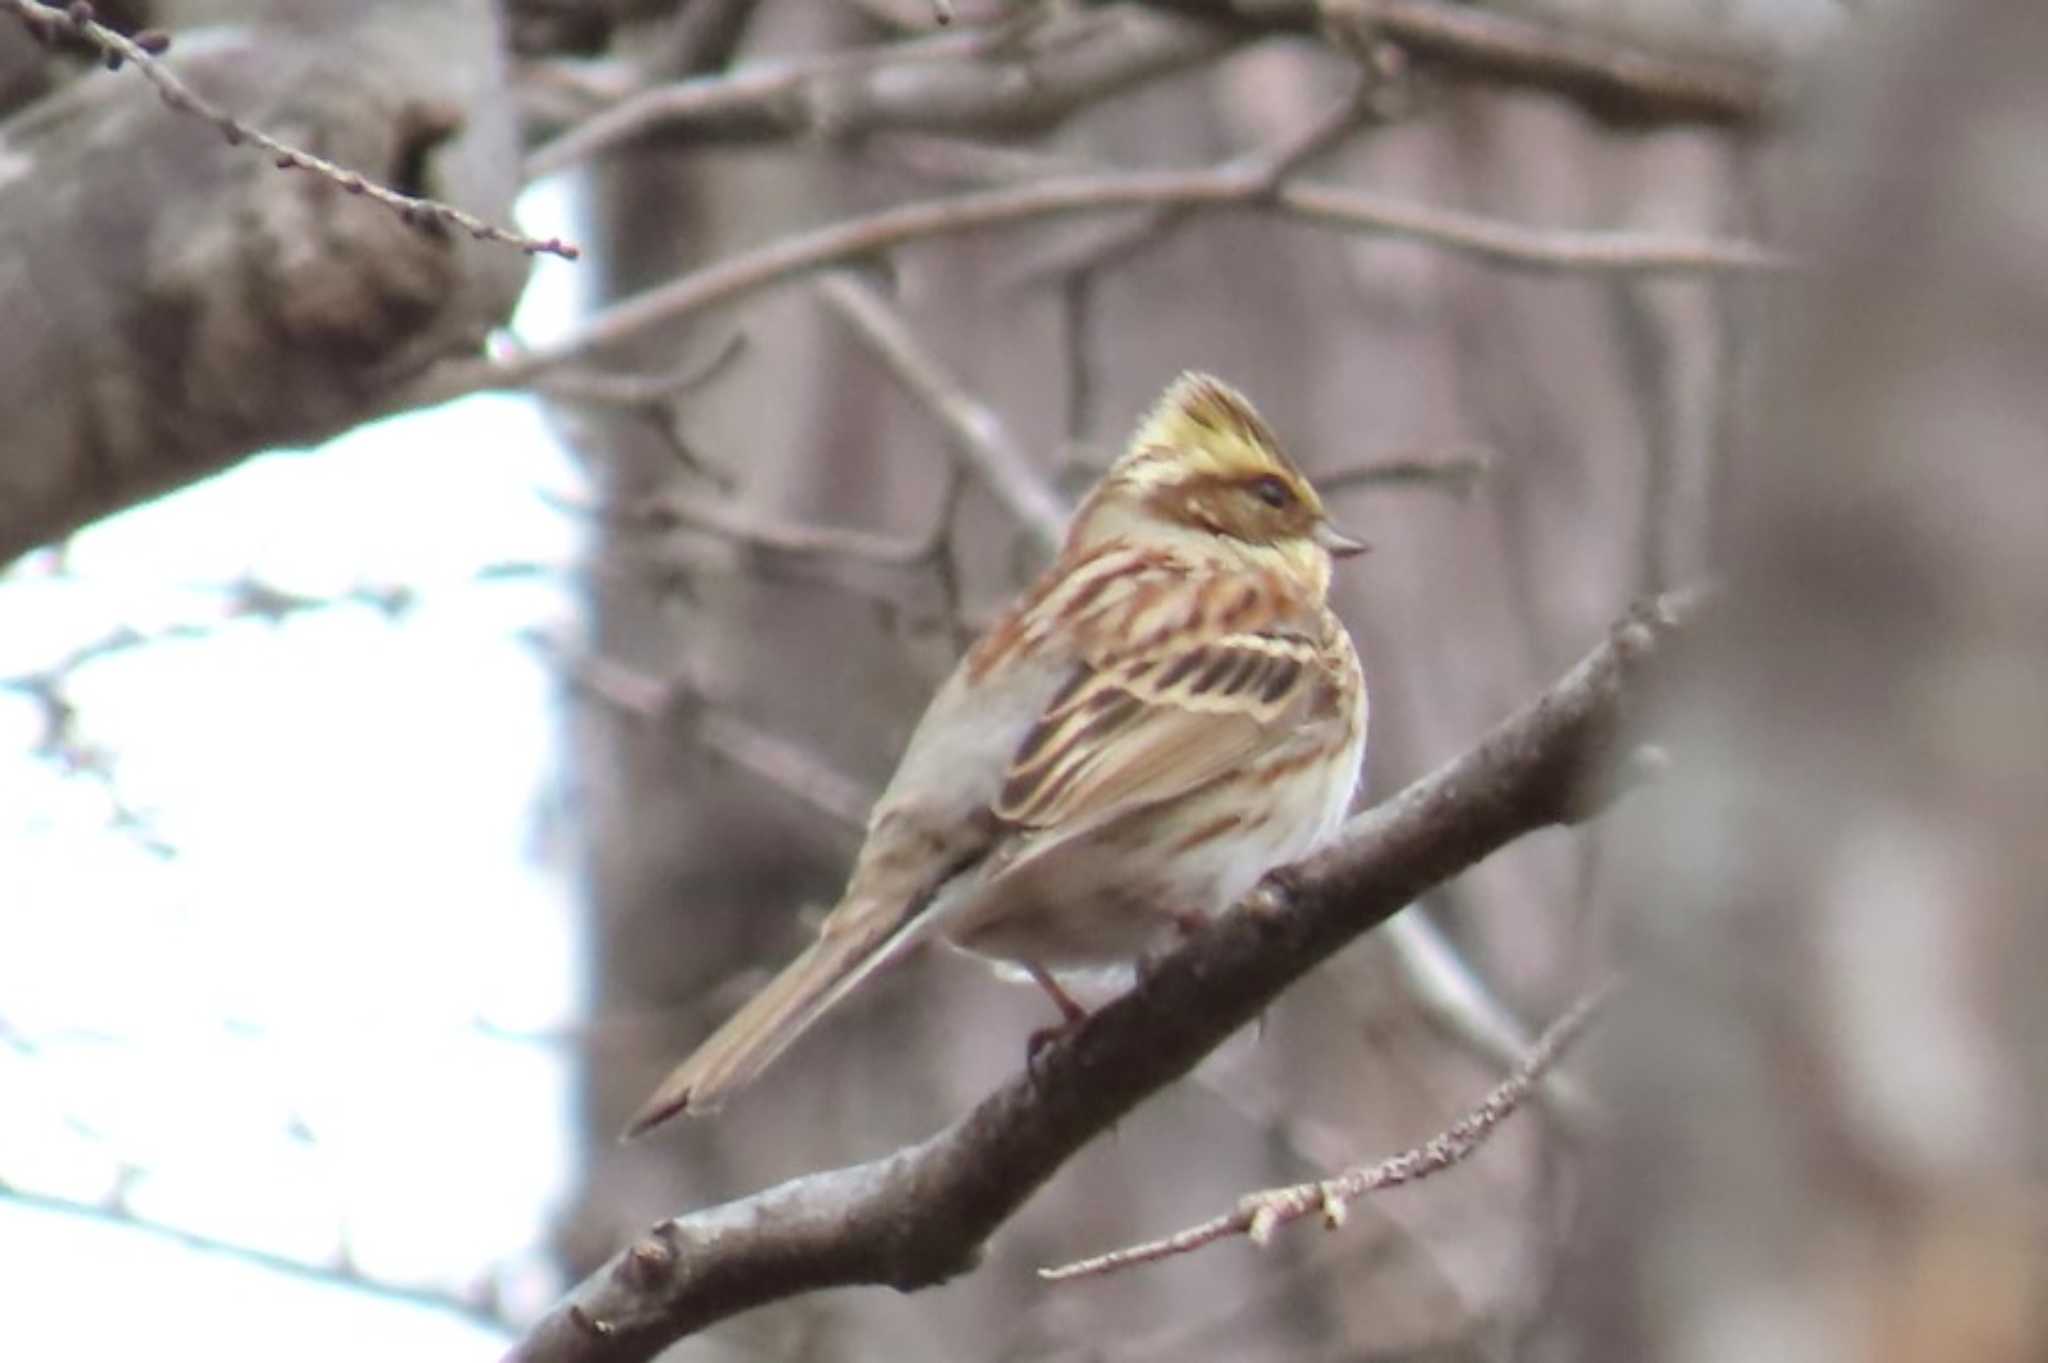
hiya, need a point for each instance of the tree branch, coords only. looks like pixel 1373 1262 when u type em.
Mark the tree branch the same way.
pixel 978 433
pixel 1456 1000
pixel 1613 79
pixel 1259 1214
pixel 218 307
pixel 416 211
pixel 477 1305
pixel 919 1216
pixel 1241 182
pixel 1013 78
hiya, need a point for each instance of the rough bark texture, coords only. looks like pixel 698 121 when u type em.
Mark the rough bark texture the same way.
pixel 174 303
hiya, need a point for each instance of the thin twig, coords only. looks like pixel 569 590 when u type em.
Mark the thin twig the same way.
pixel 1021 74
pixel 1258 1215
pixel 1527 248
pixel 790 767
pixel 1456 473
pixel 1455 999
pixel 730 520
pixel 978 433
pixel 603 388
pixel 757 85
pixel 142 50
pixel 477 1307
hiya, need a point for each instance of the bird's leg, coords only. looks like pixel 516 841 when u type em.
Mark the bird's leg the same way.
pixel 1072 1014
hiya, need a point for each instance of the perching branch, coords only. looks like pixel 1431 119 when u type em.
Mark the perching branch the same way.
pixel 919 1216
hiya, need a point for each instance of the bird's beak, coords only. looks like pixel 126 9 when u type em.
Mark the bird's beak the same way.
pixel 1338 543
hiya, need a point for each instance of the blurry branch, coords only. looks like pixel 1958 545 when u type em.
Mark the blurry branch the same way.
pixel 919 1216
pixel 1007 469
pixel 733 520
pixel 970 160
pixel 478 1306
pixel 1259 1214
pixel 1455 1000
pixel 76 19
pixel 1457 473
pixel 1108 243
pixel 1253 180
pixel 781 763
pixel 1611 78
pixel 1017 76
pixel 978 433
pixel 1526 248
pixel 48 688
pixel 1026 73
pixel 603 389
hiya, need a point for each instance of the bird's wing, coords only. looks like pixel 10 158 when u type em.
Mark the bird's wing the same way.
pixel 1141 730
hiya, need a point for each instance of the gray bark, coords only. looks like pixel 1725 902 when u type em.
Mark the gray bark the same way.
pixel 173 304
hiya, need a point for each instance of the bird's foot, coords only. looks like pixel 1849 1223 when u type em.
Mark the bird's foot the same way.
pixel 1072 1015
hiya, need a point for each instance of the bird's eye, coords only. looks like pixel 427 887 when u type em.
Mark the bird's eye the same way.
pixel 1272 492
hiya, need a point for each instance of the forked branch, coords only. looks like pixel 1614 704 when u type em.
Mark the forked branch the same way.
pixel 919 1216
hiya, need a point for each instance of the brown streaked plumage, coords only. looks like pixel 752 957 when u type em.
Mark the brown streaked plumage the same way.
pixel 1169 713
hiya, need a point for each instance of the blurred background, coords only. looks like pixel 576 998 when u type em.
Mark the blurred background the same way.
pixel 408 755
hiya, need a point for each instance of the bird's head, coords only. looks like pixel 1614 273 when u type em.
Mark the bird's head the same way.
pixel 1205 473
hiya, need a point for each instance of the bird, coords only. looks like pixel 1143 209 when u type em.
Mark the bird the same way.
pixel 1171 711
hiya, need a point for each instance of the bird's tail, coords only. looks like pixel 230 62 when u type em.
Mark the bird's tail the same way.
pixel 752 1038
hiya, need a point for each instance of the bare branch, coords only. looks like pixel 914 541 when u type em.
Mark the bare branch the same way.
pixel 143 50
pixel 1527 248
pixel 1239 182
pixel 604 388
pixel 1455 999
pixel 919 1216
pixel 979 434
pixel 1258 1215
pixel 1014 77
pixel 1612 79
pixel 1455 473
pixel 477 1306
pixel 732 520
pixel 64 742
pixel 790 767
